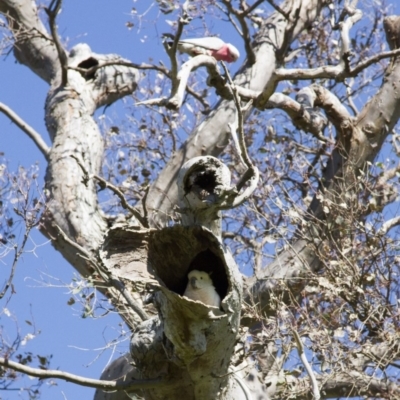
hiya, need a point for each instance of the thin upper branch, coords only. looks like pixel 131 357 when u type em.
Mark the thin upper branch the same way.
pixel 252 174
pixel 124 202
pixel 35 136
pixel 172 50
pixel 332 71
pixel 245 33
pixel 52 12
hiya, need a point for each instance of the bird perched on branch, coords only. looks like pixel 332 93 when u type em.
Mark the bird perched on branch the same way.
pixel 211 46
pixel 200 288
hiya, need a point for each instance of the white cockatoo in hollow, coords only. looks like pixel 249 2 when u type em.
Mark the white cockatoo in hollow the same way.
pixel 211 46
pixel 200 288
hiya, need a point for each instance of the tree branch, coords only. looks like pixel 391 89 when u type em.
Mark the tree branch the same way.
pixel 35 136
pixel 241 16
pixel 172 50
pixel 178 90
pixel 107 276
pixel 388 225
pixel 52 11
pixel 79 380
pixel 303 357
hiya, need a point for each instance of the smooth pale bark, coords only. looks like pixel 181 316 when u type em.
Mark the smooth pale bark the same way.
pixel 77 151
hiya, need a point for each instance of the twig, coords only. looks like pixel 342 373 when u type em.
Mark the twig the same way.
pixel 302 355
pixel 92 70
pixel 124 203
pixel 279 9
pixel 171 50
pixel 35 136
pixel 17 255
pixel 245 33
pixel 52 11
pixel 252 174
pixel 240 121
pixel 107 275
pixel 114 189
pixel 80 380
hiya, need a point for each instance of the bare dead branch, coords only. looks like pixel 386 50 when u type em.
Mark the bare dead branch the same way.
pixel 35 136
pixel 303 357
pixel 107 276
pixel 244 33
pixel 143 66
pixel 115 190
pixel 178 92
pixel 82 381
pixel 52 10
pixel 252 174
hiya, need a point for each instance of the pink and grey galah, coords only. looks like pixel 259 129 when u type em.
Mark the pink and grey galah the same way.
pixel 211 46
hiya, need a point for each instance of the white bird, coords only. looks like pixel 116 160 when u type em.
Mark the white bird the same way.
pixel 200 288
pixel 211 46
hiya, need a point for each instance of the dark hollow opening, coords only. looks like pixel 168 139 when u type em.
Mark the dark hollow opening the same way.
pixel 205 180
pixel 207 261
pixel 87 64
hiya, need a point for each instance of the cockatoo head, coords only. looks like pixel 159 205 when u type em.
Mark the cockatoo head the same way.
pixel 199 279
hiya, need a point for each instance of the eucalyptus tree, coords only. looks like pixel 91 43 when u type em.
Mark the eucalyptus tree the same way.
pixel 302 247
